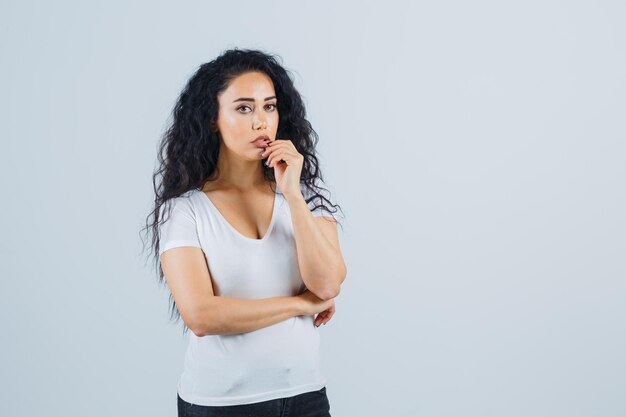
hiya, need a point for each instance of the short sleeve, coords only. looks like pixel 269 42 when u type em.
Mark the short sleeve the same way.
pixel 179 227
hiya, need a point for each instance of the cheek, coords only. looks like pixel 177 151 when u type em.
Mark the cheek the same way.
pixel 231 123
pixel 273 119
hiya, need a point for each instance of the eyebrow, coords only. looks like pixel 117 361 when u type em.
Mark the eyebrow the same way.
pixel 251 99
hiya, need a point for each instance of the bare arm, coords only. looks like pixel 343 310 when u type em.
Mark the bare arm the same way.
pixel 190 283
pixel 319 256
pixel 227 315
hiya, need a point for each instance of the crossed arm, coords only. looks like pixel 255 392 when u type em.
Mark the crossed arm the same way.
pixel 321 263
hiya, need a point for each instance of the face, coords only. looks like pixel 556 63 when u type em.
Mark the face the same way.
pixel 247 109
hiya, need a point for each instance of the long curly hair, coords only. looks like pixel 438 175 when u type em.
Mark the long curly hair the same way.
pixel 189 149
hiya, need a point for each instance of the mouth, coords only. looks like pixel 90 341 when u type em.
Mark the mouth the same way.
pixel 262 137
pixel 261 141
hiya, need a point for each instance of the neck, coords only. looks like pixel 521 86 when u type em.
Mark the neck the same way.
pixel 238 174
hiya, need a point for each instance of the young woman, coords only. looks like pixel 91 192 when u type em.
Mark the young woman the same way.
pixel 252 263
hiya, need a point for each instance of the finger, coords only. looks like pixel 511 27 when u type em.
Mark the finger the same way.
pixel 320 318
pixel 270 158
pixel 273 145
pixel 280 142
pixel 325 315
pixel 329 315
pixel 277 156
pixel 267 151
pixel 270 155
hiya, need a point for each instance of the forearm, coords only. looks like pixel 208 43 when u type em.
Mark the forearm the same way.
pixel 320 263
pixel 227 315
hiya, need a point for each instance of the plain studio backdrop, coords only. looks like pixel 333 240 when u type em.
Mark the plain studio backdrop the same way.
pixel 476 148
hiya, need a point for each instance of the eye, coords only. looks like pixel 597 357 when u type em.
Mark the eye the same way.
pixel 273 107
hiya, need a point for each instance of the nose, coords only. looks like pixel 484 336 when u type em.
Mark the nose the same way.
pixel 260 123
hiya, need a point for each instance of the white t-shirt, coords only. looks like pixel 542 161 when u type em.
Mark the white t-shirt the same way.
pixel 281 360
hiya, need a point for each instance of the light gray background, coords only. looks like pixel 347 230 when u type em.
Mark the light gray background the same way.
pixel 477 149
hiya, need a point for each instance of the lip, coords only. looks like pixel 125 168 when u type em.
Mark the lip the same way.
pixel 262 137
pixel 261 141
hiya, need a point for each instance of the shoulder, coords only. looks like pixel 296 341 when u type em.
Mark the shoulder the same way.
pixel 187 198
pixel 185 202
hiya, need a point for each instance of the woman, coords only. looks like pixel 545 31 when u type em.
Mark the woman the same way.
pixel 252 264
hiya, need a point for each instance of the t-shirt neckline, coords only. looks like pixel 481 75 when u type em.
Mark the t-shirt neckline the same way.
pixel 237 232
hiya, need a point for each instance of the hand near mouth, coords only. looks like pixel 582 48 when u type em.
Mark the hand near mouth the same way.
pixel 288 173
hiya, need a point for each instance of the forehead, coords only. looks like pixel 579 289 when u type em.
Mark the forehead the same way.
pixel 257 85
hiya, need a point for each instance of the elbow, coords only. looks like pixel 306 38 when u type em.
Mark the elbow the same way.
pixel 198 332
pixel 329 293
pixel 333 291
pixel 198 323
pixel 198 328
pixel 204 330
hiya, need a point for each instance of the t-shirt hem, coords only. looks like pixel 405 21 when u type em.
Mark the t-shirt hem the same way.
pixel 178 243
pixel 248 399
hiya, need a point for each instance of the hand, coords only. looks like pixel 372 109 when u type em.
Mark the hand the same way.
pixel 312 304
pixel 287 174
pixel 325 316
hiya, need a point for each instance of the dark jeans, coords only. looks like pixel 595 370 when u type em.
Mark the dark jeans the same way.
pixel 308 404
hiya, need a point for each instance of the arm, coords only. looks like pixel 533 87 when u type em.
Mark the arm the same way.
pixel 226 315
pixel 190 283
pixel 319 257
